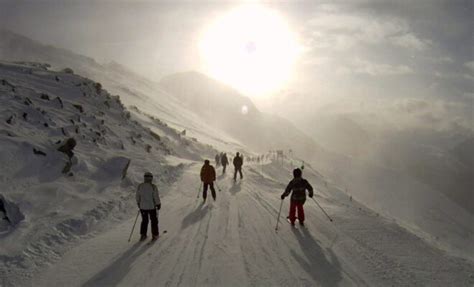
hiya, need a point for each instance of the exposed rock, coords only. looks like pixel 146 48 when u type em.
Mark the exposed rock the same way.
pixel 28 101
pixel 11 120
pixel 68 147
pixel 44 96
pixel 79 107
pixel 155 136
pixel 148 148
pixel 60 102
pixel 39 152
pixel 98 87
pixel 67 71
pixel 11 212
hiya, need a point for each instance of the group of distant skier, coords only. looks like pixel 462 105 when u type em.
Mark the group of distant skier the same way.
pixel 221 159
pixel 148 198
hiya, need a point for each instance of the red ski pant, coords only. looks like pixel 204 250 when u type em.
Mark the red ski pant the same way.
pixel 296 205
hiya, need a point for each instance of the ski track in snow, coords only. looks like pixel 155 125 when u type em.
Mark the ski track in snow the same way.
pixel 232 242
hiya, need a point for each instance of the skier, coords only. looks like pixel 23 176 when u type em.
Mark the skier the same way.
pixel 217 160
pixel 148 201
pixel 224 162
pixel 298 185
pixel 238 162
pixel 208 176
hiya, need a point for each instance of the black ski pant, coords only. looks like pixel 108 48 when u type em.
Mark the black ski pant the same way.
pixel 213 191
pixel 151 214
pixel 239 170
pixel 223 168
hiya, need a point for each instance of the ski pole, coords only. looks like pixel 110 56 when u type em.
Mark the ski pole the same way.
pixel 133 228
pixel 330 219
pixel 218 188
pixel 278 219
pixel 199 191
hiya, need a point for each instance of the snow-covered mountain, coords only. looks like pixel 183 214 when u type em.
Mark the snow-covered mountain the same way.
pixel 77 221
pixel 49 198
pixel 236 115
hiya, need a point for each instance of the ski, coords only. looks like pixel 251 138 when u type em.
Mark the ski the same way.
pixel 154 240
pixel 292 225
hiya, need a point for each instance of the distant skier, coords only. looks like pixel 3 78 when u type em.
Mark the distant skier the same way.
pixel 298 186
pixel 218 159
pixel 148 201
pixel 208 176
pixel 224 162
pixel 238 162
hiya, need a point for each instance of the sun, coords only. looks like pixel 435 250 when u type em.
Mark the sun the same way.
pixel 251 48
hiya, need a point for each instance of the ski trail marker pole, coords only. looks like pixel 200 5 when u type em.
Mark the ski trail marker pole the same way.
pixel 278 219
pixel 330 219
pixel 133 228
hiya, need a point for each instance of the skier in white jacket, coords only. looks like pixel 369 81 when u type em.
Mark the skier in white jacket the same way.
pixel 148 201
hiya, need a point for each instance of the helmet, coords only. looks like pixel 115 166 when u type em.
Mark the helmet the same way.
pixel 148 175
pixel 206 161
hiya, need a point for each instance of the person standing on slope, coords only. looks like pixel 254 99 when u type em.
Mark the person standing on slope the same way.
pixel 148 201
pixel 224 162
pixel 208 176
pixel 238 162
pixel 297 187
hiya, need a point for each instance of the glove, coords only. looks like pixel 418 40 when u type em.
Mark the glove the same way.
pixel 282 196
pixel 311 195
pixel 158 206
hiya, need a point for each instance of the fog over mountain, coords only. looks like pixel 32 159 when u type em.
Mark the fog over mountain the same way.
pixel 378 107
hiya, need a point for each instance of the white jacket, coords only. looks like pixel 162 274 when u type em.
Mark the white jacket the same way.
pixel 147 196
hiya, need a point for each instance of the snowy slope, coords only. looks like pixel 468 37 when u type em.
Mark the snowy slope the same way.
pixel 41 109
pixel 134 90
pixel 232 242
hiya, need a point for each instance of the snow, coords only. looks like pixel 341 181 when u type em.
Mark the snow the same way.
pixel 76 225
pixel 232 242
pixel 60 208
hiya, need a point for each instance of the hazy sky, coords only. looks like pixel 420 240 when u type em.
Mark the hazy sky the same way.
pixel 386 49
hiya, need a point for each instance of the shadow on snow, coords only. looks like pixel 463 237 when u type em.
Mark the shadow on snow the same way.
pixel 321 265
pixel 195 216
pixel 235 188
pixel 115 272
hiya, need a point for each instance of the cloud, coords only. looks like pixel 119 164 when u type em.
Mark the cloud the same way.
pixel 342 30
pixel 470 66
pixel 359 66
pixel 410 41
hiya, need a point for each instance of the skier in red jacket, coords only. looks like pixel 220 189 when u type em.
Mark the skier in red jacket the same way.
pixel 297 187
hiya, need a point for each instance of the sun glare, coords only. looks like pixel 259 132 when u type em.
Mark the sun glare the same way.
pixel 251 48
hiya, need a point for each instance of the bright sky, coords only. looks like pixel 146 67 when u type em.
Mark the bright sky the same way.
pixel 304 53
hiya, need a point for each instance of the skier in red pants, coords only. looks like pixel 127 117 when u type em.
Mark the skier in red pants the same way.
pixel 298 186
